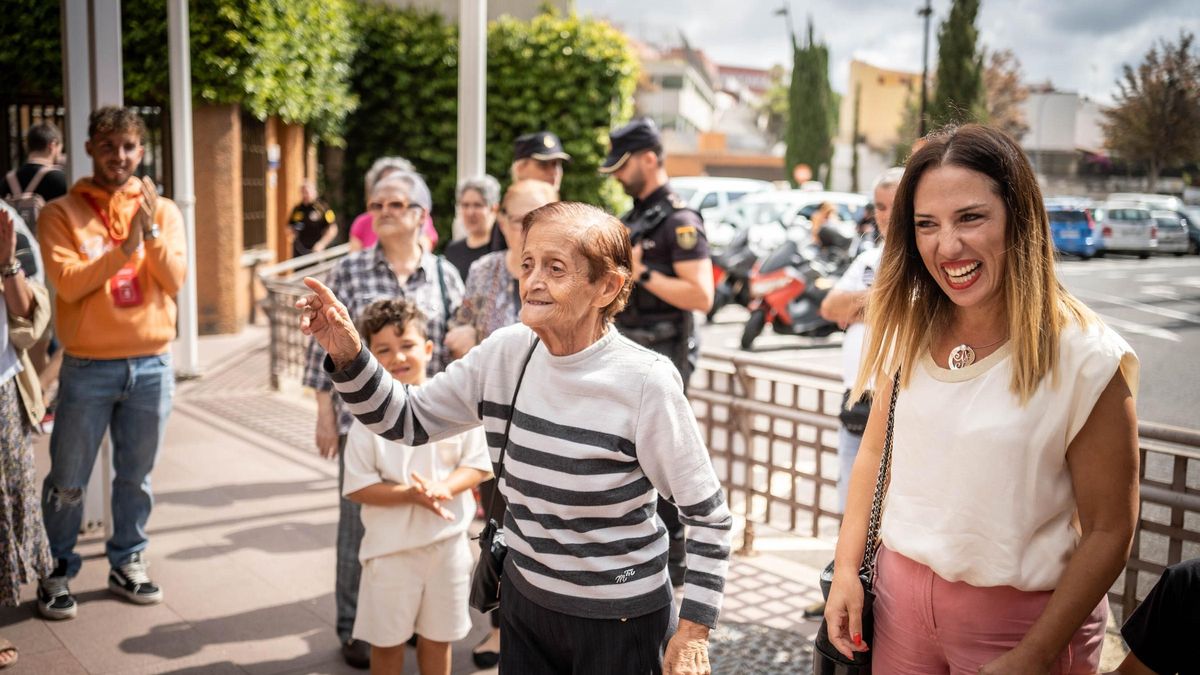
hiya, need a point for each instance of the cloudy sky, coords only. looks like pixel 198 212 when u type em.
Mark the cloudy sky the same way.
pixel 1078 45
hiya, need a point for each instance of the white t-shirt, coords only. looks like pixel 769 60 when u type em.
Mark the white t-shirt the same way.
pixel 860 276
pixel 369 459
pixel 980 489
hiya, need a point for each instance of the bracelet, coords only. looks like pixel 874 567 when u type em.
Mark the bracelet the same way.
pixel 10 270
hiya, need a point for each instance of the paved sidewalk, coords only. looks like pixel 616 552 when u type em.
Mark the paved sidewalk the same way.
pixel 242 541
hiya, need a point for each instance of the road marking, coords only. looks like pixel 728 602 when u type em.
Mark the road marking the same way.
pixel 1139 306
pixel 1168 292
pixel 1141 329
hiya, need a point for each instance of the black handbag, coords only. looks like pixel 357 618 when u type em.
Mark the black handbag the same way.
pixel 827 660
pixel 854 417
pixel 485 580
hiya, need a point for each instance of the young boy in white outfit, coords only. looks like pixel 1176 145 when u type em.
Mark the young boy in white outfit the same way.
pixel 416 562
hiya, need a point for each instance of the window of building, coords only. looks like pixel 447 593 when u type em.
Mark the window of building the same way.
pixel 671 81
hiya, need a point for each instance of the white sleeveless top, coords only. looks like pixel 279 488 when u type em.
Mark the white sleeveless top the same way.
pixel 980 489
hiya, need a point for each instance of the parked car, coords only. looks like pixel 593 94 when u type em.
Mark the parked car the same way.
pixel 710 195
pixel 788 208
pixel 1125 227
pixel 1192 215
pixel 1072 229
pixel 1172 232
pixel 1155 202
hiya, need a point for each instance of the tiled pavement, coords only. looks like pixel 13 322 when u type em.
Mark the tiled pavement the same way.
pixel 242 542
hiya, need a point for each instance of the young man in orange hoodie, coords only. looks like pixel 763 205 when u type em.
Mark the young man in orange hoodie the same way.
pixel 114 252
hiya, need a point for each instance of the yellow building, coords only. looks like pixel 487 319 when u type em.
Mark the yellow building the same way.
pixel 884 93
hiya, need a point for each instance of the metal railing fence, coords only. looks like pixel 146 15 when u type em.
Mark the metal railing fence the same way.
pixel 771 429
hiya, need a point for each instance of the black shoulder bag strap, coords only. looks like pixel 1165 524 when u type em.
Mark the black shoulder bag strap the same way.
pixel 512 411
pixel 445 296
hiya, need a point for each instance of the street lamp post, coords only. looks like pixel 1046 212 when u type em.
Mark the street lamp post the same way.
pixel 925 12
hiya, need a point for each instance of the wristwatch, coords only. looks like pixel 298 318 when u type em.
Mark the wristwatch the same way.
pixel 644 277
pixel 151 233
pixel 10 270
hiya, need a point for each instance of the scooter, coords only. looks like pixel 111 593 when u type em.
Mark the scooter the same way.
pixel 731 273
pixel 787 288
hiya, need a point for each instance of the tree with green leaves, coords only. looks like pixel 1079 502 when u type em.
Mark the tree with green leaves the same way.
pixel 288 59
pixel 568 74
pixel 1155 118
pixel 812 116
pixel 959 95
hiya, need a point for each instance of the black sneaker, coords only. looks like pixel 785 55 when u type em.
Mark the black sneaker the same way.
pixel 131 582
pixel 55 601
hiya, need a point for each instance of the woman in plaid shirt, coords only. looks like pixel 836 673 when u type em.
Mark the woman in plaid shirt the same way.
pixel 396 267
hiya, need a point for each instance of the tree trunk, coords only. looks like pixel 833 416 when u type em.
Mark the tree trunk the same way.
pixel 1152 176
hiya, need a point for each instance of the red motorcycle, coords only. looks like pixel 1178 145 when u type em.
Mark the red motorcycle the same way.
pixel 786 290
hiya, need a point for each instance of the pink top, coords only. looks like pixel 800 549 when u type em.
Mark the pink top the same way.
pixel 363 230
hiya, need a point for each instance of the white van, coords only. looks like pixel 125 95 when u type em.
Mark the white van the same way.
pixel 711 195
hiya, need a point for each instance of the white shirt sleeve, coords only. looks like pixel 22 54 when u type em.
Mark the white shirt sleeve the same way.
pixel 475 451
pixel 853 279
pixel 359 467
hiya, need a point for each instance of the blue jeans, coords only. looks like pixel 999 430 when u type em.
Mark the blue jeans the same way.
pixel 350 532
pixel 129 398
pixel 847 450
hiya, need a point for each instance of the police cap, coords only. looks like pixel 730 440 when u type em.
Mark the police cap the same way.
pixel 640 134
pixel 540 145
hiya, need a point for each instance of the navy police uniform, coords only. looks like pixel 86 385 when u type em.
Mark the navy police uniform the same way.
pixel 308 223
pixel 668 232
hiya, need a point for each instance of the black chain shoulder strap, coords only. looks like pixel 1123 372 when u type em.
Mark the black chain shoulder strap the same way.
pixel 881 482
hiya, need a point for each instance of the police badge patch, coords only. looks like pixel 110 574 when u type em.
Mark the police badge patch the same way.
pixel 687 237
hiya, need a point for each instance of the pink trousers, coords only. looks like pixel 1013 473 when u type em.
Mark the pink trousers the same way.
pixel 925 625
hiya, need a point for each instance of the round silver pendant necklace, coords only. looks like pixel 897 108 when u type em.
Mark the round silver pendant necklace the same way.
pixel 963 355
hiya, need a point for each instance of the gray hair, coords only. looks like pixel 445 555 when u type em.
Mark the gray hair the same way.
pixel 414 188
pixel 382 166
pixel 889 178
pixel 486 186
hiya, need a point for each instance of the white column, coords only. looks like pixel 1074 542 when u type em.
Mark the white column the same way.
pixel 107 81
pixel 77 90
pixel 182 170
pixel 472 90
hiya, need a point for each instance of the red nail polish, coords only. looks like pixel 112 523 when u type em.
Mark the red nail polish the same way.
pixel 858 639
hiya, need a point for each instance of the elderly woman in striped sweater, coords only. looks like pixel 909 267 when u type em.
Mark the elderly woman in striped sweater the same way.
pixel 599 427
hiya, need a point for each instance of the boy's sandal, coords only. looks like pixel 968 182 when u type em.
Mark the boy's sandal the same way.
pixel 6 646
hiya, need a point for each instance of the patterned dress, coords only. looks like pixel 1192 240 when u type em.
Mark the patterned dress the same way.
pixel 24 551
pixel 490 301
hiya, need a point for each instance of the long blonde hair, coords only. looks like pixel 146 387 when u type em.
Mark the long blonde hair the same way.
pixel 907 307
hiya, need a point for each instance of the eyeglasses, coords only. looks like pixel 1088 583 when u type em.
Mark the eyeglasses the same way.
pixel 376 207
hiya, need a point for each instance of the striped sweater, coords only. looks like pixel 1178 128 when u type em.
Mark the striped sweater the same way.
pixel 596 436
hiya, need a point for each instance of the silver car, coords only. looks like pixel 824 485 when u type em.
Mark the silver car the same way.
pixel 1172 232
pixel 1124 227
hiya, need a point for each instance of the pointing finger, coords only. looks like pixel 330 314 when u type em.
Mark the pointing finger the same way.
pixel 322 291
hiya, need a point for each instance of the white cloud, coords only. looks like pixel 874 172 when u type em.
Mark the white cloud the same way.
pixel 1078 45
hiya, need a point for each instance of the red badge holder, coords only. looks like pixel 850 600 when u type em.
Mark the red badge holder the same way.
pixel 124 288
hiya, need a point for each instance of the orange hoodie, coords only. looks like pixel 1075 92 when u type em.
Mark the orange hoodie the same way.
pixel 81 256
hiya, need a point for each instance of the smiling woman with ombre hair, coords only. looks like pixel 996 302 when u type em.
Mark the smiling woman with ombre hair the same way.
pixel 1014 460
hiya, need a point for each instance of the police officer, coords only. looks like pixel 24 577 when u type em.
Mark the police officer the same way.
pixel 313 223
pixel 539 155
pixel 671 268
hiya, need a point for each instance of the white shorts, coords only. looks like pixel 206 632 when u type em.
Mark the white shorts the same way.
pixel 423 590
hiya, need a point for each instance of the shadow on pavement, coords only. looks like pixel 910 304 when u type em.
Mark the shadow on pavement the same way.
pixel 291 537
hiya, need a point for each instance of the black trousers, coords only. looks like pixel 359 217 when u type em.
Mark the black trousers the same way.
pixel 538 641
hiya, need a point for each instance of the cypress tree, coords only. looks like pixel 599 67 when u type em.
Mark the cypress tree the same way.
pixel 960 95
pixel 810 109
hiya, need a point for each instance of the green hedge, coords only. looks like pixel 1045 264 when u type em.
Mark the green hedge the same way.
pixel 274 57
pixel 564 73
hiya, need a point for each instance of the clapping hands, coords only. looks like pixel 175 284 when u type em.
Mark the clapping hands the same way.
pixel 430 494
